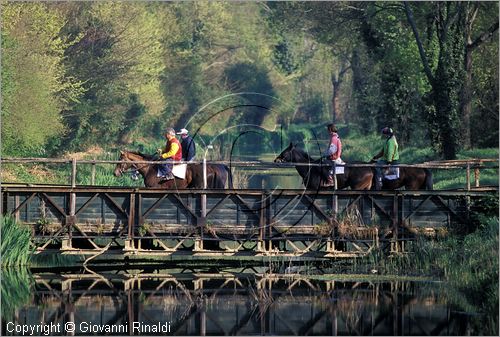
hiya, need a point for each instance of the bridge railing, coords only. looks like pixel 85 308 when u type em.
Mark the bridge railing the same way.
pixel 469 165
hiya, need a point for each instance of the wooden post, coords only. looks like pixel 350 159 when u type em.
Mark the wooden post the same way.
pixel 467 179
pixel 330 245
pixel 17 202
pixel 129 243
pixel 261 246
pixel 73 173
pixel 204 195
pixel 67 243
pixel 476 176
pixel 334 176
pixel 92 174
pixel 199 242
pixel 395 229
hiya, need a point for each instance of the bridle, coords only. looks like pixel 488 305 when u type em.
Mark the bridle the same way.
pixel 132 167
pixel 286 157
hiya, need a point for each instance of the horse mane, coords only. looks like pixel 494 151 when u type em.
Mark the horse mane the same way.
pixel 305 154
pixel 147 157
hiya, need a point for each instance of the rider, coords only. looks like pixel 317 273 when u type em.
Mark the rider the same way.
pixel 188 145
pixel 334 151
pixel 389 155
pixel 171 152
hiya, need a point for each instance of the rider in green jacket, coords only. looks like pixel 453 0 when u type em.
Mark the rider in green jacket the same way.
pixel 389 155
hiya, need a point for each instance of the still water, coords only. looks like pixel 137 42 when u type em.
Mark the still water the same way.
pixel 233 302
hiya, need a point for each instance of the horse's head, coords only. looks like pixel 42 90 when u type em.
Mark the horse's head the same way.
pixel 287 155
pixel 126 158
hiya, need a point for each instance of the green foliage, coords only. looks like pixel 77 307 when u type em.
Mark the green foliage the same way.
pixel 78 74
pixel 16 245
pixel 484 211
pixel 469 265
pixel 35 84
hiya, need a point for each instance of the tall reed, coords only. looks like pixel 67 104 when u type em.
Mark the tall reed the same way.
pixel 16 245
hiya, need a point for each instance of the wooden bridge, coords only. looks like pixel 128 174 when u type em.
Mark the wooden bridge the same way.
pixel 231 224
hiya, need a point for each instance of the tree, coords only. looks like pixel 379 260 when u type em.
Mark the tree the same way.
pixel 472 11
pixel 446 79
pixel 36 85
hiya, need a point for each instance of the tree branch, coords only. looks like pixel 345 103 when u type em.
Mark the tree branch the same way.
pixel 483 37
pixel 411 21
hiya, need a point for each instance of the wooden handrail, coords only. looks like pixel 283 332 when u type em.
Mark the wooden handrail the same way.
pixel 432 165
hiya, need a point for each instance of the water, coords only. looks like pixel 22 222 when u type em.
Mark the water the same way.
pixel 232 302
pixel 271 182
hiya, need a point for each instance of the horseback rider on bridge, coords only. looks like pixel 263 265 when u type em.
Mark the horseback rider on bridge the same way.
pixel 171 152
pixel 188 145
pixel 333 152
pixel 389 155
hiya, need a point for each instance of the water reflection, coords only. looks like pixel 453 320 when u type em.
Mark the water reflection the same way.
pixel 229 303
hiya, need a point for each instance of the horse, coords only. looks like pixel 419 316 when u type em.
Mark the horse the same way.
pixel 411 178
pixel 357 178
pixel 217 174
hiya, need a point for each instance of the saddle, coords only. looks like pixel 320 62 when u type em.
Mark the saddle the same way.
pixel 391 173
pixel 330 182
pixel 178 170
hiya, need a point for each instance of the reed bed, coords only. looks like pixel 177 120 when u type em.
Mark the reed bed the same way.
pixel 16 245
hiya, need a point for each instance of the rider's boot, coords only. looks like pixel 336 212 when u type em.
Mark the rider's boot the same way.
pixel 135 175
pixel 378 183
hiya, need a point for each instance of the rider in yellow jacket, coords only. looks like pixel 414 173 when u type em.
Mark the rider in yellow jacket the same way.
pixel 389 155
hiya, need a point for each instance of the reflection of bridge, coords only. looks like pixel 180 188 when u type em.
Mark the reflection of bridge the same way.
pixel 235 304
pixel 231 223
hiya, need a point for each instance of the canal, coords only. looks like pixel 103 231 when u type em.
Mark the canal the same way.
pixel 289 300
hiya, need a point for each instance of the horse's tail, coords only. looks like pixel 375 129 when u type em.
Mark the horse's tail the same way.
pixel 428 180
pixel 229 177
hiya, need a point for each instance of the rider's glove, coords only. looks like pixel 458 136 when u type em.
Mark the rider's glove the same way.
pixel 159 151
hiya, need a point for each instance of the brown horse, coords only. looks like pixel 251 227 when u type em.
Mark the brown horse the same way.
pixel 357 178
pixel 411 178
pixel 217 174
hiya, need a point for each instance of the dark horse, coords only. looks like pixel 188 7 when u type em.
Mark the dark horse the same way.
pixel 357 178
pixel 217 174
pixel 411 178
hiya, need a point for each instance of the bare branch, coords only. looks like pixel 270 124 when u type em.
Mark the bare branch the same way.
pixel 411 21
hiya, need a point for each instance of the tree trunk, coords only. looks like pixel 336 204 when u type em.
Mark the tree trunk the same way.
pixel 466 97
pixel 466 100
pixel 337 79
pixel 336 113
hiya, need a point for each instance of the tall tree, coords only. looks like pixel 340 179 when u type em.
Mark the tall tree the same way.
pixel 446 80
pixel 473 40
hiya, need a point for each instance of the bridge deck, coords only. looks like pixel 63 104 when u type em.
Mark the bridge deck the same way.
pixel 238 223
